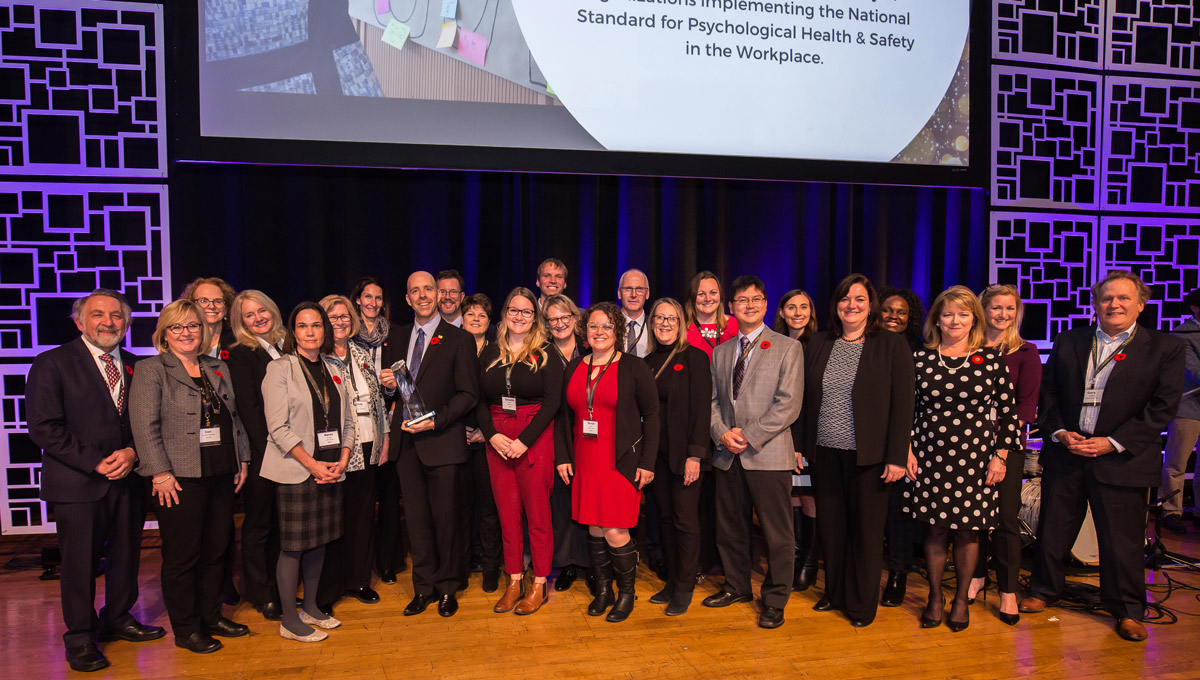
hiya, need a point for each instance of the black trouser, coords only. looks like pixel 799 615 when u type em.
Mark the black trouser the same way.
pixel 680 518
pixel 481 510
pixel 260 537
pixel 432 511
pixel 391 534
pixel 1005 542
pixel 901 530
pixel 1120 516
pixel 195 533
pixel 348 559
pixel 112 526
pixel 740 493
pixel 570 537
pixel 852 502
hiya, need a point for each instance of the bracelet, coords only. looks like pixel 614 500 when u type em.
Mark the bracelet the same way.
pixel 164 481
pixel 1003 460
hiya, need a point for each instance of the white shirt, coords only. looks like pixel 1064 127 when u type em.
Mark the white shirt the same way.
pixel 271 349
pixel 366 425
pixel 115 390
pixel 429 329
pixel 642 348
pixel 1089 415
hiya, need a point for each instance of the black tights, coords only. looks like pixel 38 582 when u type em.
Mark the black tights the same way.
pixel 287 574
pixel 966 556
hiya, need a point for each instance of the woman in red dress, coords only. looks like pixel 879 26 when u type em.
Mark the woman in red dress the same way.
pixel 607 442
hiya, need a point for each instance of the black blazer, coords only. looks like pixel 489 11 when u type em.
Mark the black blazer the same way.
pixel 637 418
pixel 689 408
pixel 73 419
pixel 882 398
pixel 448 380
pixel 1140 399
pixel 247 368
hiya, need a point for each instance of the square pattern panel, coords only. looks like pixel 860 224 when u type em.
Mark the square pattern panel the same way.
pixel 21 511
pixel 1164 251
pixel 1049 31
pixel 59 241
pixel 1051 259
pixel 1152 144
pixel 82 89
pixel 1045 145
pixel 1154 36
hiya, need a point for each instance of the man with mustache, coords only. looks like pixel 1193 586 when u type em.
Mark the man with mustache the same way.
pixel 77 395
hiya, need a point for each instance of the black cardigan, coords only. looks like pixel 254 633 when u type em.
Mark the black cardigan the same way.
pixel 689 407
pixel 883 397
pixel 247 368
pixel 637 418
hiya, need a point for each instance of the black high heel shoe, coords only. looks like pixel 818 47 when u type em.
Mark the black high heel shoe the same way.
pixel 986 582
pixel 958 626
pixel 927 622
pixel 1010 619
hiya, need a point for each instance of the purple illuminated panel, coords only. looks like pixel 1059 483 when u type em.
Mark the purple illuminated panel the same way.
pixel 1044 32
pixel 21 511
pixel 1164 251
pixel 63 240
pixel 82 89
pixel 1154 36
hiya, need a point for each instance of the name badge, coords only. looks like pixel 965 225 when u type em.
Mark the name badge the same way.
pixel 1092 397
pixel 992 414
pixel 362 407
pixel 591 428
pixel 210 436
pixel 508 404
pixel 328 439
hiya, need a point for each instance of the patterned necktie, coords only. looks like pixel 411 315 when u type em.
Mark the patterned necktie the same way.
pixel 112 376
pixel 739 369
pixel 418 350
pixel 633 338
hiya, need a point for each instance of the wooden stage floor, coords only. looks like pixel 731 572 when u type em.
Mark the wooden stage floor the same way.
pixel 561 641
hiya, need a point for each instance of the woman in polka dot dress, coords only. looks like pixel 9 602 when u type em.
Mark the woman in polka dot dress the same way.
pixel 957 457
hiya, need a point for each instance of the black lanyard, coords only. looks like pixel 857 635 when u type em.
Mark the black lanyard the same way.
pixel 322 393
pixel 591 386
pixel 1098 365
pixel 563 357
pixel 711 343
pixel 508 378
pixel 210 403
pixel 349 364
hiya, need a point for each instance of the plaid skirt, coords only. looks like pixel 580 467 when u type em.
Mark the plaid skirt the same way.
pixel 310 514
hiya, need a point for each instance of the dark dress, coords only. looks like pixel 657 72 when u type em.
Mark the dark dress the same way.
pixel 600 494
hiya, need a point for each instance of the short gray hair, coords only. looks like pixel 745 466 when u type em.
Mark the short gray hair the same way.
pixel 1119 274
pixel 126 310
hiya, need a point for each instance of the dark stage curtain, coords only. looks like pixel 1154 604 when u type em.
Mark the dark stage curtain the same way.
pixel 300 233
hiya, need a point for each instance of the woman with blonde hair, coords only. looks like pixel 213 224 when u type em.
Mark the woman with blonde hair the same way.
pixel 958 453
pixel 522 389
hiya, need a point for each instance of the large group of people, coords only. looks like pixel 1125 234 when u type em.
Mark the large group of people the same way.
pixel 537 438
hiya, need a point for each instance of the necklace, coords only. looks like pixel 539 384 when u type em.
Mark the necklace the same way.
pixel 851 341
pixel 942 360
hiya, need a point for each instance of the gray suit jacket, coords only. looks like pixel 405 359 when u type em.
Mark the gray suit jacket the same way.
pixel 767 405
pixel 164 410
pixel 289 409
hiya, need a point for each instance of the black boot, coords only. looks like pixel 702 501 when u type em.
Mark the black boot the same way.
pixel 600 573
pixel 806 557
pixel 624 566
pixel 893 594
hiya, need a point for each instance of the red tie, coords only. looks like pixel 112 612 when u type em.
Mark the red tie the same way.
pixel 113 376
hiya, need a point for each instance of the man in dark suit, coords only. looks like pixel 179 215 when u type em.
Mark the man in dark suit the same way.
pixel 77 396
pixel 431 455
pixel 1108 391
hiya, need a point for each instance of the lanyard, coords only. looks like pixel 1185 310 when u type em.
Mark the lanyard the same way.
pixel 508 378
pixel 641 329
pixel 323 393
pixel 668 361
pixel 746 352
pixel 1098 365
pixel 210 404
pixel 563 357
pixel 348 362
pixel 591 386
pixel 711 343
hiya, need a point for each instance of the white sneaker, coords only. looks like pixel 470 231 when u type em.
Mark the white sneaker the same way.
pixel 315 636
pixel 327 623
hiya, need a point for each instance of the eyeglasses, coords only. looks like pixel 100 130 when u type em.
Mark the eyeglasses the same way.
pixel 450 292
pixel 520 313
pixel 744 301
pixel 561 321
pixel 340 318
pixel 630 290
pixel 210 302
pixel 178 328
pixel 665 320
pixel 600 327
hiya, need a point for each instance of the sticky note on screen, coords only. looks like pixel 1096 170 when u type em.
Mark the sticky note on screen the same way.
pixel 396 34
pixel 472 46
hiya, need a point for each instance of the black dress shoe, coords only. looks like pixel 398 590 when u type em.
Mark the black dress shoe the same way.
pixel 418 604
pixel 661 597
pixel 271 611
pixel 861 623
pixel 86 658
pixel 387 576
pixel 364 595
pixel 566 577
pixel 725 598
pixel 771 617
pixel 447 605
pixel 823 605
pixel 226 628
pixel 893 593
pixel 491 580
pixel 134 632
pixel 326 609
pixel 199 643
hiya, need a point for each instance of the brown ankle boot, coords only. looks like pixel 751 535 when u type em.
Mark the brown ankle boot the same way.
pixel 537 596
pixel 512 594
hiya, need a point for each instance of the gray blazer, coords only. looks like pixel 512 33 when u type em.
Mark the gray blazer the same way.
pixel 164 410
pixel 288 406
pixel 768 403
pixel 1189 406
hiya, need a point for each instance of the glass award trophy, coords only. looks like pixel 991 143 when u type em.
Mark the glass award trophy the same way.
pixel 413 406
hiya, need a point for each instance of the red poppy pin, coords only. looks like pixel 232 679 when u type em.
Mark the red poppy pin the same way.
pixel 435 340
pixel 678 367
pixel 977 359
pixel 765 345
pixel 366 366
pixel 224 354
pixel 337 380
pixel 219 374
pixel 129 369
pixel 1120 357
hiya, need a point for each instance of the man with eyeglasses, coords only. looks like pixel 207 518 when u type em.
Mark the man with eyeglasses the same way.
pixel 450 287
pixel 632 292
pixel 77 395
pixel 551 279
pixel 758 386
